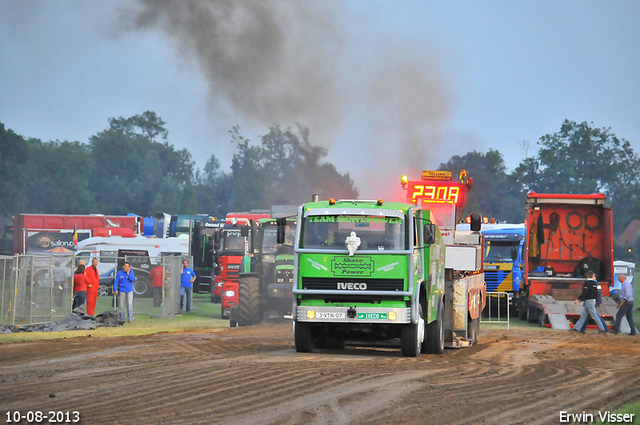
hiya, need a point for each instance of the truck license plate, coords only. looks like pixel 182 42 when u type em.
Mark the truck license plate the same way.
pixel 330 315
pixel 372 316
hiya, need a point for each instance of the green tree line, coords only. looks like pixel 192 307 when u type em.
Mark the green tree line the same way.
pixel 577 159
pixel 130 167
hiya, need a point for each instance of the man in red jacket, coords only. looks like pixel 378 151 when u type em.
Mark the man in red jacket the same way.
pixel 93 286
pixel 156 276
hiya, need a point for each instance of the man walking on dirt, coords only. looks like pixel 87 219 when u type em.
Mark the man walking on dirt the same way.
pixel 625 306
pixel 187 277
pixel 598 302
pixel 124 284
pixel 589 295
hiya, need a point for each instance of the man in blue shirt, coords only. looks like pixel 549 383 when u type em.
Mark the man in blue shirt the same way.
pixel 187 277
pixel 123 284
pixel 625 306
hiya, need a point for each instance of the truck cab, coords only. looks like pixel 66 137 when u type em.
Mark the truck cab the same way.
pixel 504 260
pixel 231 245
pixel 367 271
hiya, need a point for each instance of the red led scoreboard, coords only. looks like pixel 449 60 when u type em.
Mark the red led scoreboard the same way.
pixel 436 187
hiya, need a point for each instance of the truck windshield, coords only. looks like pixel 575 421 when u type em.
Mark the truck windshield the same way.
pixel 233 242
pixel 501 250
pixel 270 238
pixel 330 232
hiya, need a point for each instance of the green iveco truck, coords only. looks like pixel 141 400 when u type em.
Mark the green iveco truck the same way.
pixel 375 271
pixel 366 271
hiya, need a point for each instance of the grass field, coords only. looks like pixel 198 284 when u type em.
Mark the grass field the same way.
pixel 147 320
pixel 632 408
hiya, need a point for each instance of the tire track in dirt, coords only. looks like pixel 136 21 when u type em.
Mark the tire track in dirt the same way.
pixel 253 375
pixel 324 407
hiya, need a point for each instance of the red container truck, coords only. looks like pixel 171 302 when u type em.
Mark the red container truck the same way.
pixel 567 235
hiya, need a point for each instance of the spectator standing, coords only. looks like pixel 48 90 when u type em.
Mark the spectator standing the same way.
pixel 589 295
pixel 79 287
pixel 59 283
pixel 123 284
pixel 625 306
pixel 92 287
pixel 156 285
pixel 187 277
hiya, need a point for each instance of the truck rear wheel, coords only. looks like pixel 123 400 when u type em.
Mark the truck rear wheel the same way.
pixel 412 336
pixel 435 335
pixel 249 301
pixel 531 313
pixel 303 337
pixel 142 287
pixel 542 320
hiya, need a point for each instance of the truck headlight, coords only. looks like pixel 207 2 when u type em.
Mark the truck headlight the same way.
pixel 229 294
pixel 311 314
pixel 392 316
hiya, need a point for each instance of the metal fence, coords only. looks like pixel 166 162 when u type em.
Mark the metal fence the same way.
pixel 39 288
pixel 8 268
pixel 494 312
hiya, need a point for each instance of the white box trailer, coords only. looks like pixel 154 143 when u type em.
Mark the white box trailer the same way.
pixel 105 249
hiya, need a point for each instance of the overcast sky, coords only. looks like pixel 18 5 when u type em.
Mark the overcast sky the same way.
pixel 389 87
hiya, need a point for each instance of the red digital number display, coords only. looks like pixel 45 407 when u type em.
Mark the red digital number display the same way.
pixel 436 193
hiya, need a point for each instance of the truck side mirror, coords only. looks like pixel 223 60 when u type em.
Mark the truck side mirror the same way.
pixel 216 238
pixel 429 234
pixel 244 231
pixel 476 222
pixel 282 223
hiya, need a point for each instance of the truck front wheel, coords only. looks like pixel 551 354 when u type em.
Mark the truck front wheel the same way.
pixel 522 305
pixel 435 335
pixel 412 336
pixel 303 337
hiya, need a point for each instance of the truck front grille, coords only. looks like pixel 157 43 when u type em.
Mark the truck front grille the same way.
pixel 493 279
pixel 338 284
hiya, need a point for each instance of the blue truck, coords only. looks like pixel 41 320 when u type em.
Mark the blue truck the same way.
pixel 503 260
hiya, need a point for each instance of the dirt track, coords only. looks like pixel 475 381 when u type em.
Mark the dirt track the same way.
pixel 253 375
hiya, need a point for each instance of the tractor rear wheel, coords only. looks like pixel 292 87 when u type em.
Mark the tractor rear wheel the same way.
pixel 249 301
